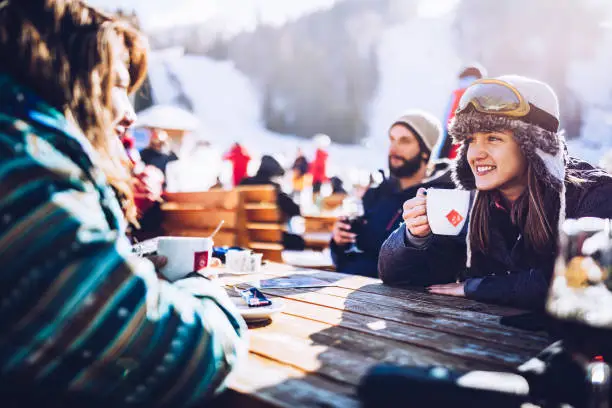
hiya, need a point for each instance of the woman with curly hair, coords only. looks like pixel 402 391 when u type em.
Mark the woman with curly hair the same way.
pixel 81 319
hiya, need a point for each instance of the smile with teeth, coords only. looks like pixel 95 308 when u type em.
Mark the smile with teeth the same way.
pixel 482 170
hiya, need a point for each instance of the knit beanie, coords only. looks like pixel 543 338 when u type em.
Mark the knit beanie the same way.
pixel 423 124
pixel 539 140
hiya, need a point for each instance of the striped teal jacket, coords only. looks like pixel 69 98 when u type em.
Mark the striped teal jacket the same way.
pixel 79 315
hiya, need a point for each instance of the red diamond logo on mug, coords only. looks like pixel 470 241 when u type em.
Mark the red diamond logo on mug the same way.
pixel 454 218
pixel 200 260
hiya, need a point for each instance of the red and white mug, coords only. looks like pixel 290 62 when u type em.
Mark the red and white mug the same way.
pixel 447 210
pixel 184 254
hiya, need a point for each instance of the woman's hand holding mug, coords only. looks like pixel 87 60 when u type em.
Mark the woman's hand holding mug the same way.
pixel 415 215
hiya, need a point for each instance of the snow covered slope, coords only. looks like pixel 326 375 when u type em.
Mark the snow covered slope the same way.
pixel 418 68
pixel 228 106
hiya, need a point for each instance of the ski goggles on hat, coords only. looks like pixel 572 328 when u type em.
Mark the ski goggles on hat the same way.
pixel 495 97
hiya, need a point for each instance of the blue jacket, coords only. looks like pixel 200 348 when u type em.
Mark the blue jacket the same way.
pixel 383 214
pixel 509 273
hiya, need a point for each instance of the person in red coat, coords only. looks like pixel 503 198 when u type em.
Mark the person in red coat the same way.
pixel 240 160
pixel 318 167
pixel 446 149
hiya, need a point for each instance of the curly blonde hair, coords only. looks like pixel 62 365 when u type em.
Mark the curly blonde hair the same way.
pixel 65 50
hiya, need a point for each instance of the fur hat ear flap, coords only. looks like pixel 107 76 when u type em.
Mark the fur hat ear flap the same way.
pixel 468 241
pixel 555 164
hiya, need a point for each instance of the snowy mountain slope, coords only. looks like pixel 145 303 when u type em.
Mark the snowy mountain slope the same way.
pixel 414 73
pixel 228 106
pixel 590 80
pixel 418 68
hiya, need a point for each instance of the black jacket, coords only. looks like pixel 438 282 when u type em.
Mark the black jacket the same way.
pixel 383 214
pixel 158 159
pixel 269 169
pixel 510 273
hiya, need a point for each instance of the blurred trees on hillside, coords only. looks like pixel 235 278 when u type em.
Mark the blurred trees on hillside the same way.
pixel 319 73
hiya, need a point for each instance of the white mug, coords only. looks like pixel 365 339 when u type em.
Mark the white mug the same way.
pixel 184 254
pixel 243 261
pixel 447 210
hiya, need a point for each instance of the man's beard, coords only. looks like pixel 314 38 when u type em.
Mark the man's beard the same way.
pixel 408 168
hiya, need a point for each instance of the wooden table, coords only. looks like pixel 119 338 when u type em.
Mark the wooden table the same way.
pixel 316 351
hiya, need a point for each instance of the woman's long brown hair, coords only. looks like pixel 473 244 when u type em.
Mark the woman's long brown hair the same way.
pixel 65 51
pixel 535 212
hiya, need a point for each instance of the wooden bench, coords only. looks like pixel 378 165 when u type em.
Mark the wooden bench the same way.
pixel 252 218
pixel 333 201
pixel 198 214
pixel 264 221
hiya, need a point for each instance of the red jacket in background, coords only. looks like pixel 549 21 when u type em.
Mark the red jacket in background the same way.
pixel 147 181
pixel 240 161
pixel 455 98
pixel 318 167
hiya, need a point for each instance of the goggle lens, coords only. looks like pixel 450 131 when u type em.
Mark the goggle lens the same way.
pixel 490 98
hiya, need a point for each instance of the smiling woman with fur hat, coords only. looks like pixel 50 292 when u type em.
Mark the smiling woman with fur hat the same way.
pixel 514 158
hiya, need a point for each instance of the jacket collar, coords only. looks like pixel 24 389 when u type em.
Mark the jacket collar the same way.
pixel 22 103
pixel 26 109
pixel 498 202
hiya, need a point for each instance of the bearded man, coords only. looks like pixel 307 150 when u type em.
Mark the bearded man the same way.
pixel 412 137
